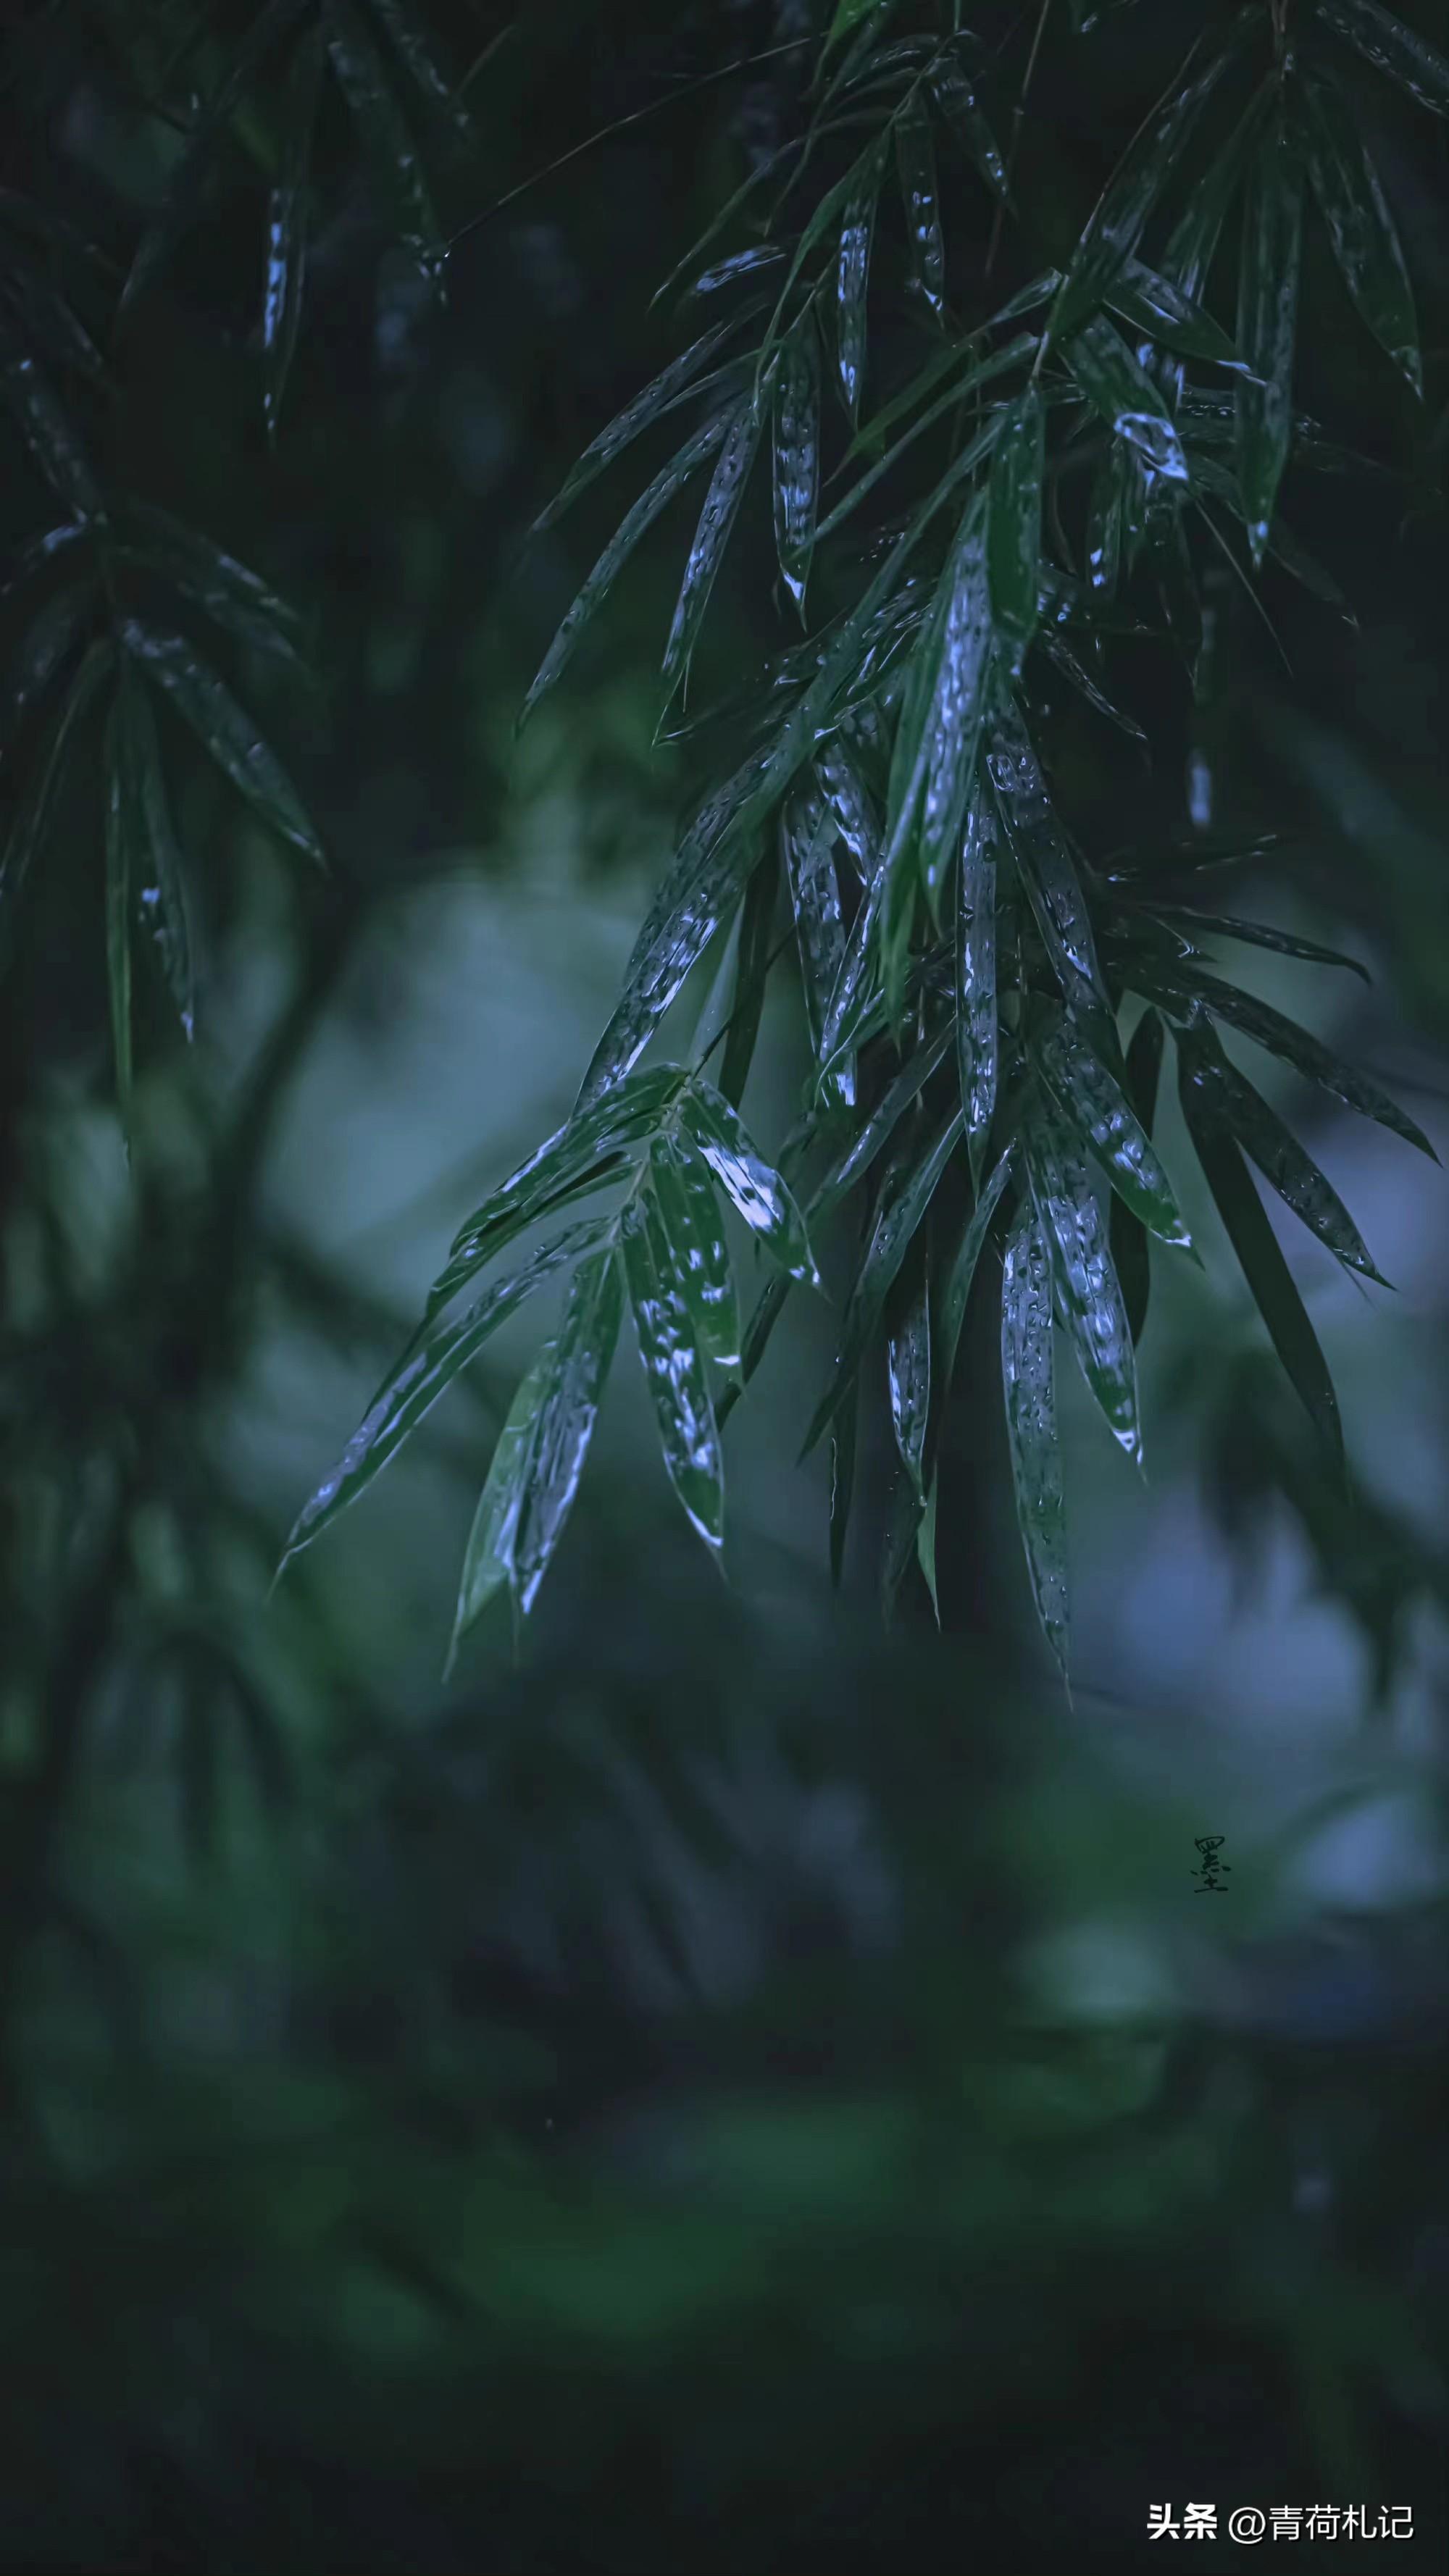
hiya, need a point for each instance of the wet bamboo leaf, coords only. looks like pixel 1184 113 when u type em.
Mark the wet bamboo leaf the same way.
pixel 1128 400
pixel 849 15
pixel 908 1376
pixel 671 479
pixel 1104 523
pixel 752 966
pixel 224 728
pixel 965 1262
pixel 124 828
pixel 159 880
pixel 857 227
pixel 45 646
pixel 48 325
pixel 1095 1105
pixel 916 165
pixel 908 1194
pixel 36 806
pixel 230 594
pixel 1223 1094
pixel 383 131
pixel 681 1182
pixel 976 1021
pixel 807 840
pixel 286 244
pixel 940 728
pixel 1296 1046
pixel 557 1443
pixel 1270 1281
pixel 1192 245
pixel 187 182
pixel 1048 871
pixel 28 558
pixel 1259 934
pixel 53 443
pixel 1088 1292
pixel 906 1086
pixel 843 1441
pixel 852 807
pixel 1063 659
pixel 1028 1377
pixel 741 263
pixel 674 1368
pixel 716 522
pixel 797 456
pixel 1014 526
pixel 1267 325
pixel 759 1194
pixel 679 382
pixel 1406 57
pixel 1365 240
pixel 999 362
pixel 769 1306
pixel 1116 223
pixel 589 1149
pixel 407 33
pixel 1126 1233
pixel 904 1513
pixel 426 1370
pixel 1167 313
pixel 957 102
pixel 489 1556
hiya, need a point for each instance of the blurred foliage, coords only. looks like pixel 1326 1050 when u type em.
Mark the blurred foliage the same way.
pixel 729 2088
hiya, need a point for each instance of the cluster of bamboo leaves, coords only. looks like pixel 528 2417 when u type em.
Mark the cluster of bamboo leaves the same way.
pixel 968 977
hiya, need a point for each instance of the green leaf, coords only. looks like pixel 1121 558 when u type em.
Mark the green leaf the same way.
pixel 768 1309
pixel 1365 241
pixel 965 1261
pixel 1127 1235
pixel 908 1377
pixel 1028 1378
pixel 1116 223
pixel 1192 245
pixel 187 181
pixel 975 1020
pixel 1048 871
pixel 757 921
pixel 903 1205
pixel 224 729
pixel 759 1194
pixel 797 455
pixel 43 649
pixel 916 168
pixel 1224 1095
pixel 1095 1105
pixel 1105 511
pixel 1259 934
pixel 1406 57
pixel 47 323
pixel 807 841
pixel 680 1179
pixel 1269 1278
pixel 123 831
pixel 383 131
pixel 741 263
pixel 1283 1037
pixel 425 1371
pixel 563 1423
pixel 160 886
pixel 956 100
pixel 1267 325
pixel 36 806
pixel 1088 1292
pixel 588 1150
pixel 979 445
pixel 488 1558
pixel 852 807
pixel 677 383
pixel 228 592
pixel 905 1086
pixel 716 522
pixel 848 16
pixel 1014 527
pixel 1126 397
pixel 286 250
pixel 671 479
pixel 407 33
pixel 857 225
pixel 926 1549
pixel 47 432
pixel 843 1442
pixel 902 1535
pixel 1063 659
pixel 1166 312
pixel 674 1367
pixel 936 743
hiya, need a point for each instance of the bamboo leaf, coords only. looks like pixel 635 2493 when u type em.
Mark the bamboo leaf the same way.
pixel 1014 526
pixel 1127 1235
pixel 937 741
pixel 904 1087
pixel 1167 313
pixel 916 168
pixel 716 522
pixel 965 1262
pixel 43 650
pixel 757 921
pixel 674 1367
pixel 843 1442
pixel 488 1561
pixel 1048 871
pixel 1270 1281
pixel 1267 325
pixel 797 455
pixel 1296 1046
pixel 286 243
pixel 676 383
pixel 758 1194
pixel 557 1443
pixel 407 33
pixel 224 729
pixel 902 1207
pixel 807 841
pixel 160 886
pixel 680 1179
pixel 908 1376
pixel 1088 1292
pixel 857 226
pixel 1128 400
pixel 228 592
pixel 383 131
pixel 975 1019
pixel 1192 244
pixel 47 431
pixel 187 181
pixel 1365 241
pixel 1259 934
pixel 36 806
pixel 1096 1106
pixel 956 100
pixel 1224 1095
pixel 671 479
pixel 1028 1377
pixel 425 1371
pixel 1404 56
pixel 123 831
